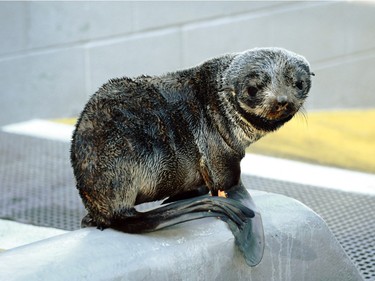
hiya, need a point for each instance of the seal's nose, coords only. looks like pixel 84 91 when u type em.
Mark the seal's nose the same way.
pixel 282 100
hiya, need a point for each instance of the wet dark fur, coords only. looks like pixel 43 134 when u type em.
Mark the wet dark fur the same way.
pixel 148 138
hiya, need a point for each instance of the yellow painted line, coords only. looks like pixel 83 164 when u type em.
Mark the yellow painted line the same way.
pixel 344 139
pixel 66 121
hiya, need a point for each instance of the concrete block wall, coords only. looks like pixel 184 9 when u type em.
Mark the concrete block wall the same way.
pixel 54 55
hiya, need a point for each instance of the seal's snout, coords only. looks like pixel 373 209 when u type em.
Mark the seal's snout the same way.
pixel 282 100
pixel 281 107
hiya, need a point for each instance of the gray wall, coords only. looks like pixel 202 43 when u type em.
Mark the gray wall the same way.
pixel 53 55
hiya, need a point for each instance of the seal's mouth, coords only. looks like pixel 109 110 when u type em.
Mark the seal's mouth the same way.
pixel 263 123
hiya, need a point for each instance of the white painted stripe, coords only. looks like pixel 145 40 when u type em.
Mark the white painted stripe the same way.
pixel 303 173
pixel 42 129
pixel 257 165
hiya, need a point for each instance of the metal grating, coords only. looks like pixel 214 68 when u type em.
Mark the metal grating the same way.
pixel 37 187
pixel 36 183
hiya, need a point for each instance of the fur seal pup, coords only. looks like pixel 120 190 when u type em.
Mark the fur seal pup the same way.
pixel 180 136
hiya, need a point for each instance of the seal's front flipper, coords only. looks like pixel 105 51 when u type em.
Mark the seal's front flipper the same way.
pixel 231 211
pixel 249 238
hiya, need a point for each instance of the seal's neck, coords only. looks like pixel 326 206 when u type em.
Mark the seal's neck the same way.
pixel 220 112
pixel 243 131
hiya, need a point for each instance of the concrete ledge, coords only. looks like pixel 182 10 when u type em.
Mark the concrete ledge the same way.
pixel 14 234
pixel 299 246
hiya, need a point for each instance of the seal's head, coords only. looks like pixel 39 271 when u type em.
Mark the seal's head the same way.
pixel 267 85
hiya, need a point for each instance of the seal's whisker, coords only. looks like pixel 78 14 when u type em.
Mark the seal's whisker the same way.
pixel 302 113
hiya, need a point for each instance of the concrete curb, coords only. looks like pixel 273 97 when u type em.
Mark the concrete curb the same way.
pixel 299 246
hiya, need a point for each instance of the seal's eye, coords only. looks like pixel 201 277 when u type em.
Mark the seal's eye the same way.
pixel 252 91
pixel 299 85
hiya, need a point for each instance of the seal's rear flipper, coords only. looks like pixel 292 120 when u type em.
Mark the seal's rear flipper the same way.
pixel 231 211
pixel 249 238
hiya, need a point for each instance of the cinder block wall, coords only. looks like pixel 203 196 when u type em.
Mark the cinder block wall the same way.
pixel 53 55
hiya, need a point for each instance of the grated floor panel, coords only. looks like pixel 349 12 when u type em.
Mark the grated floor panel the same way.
pixel 36 183
pixel 37 187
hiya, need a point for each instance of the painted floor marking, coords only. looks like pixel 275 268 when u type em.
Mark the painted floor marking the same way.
pixel 344 138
